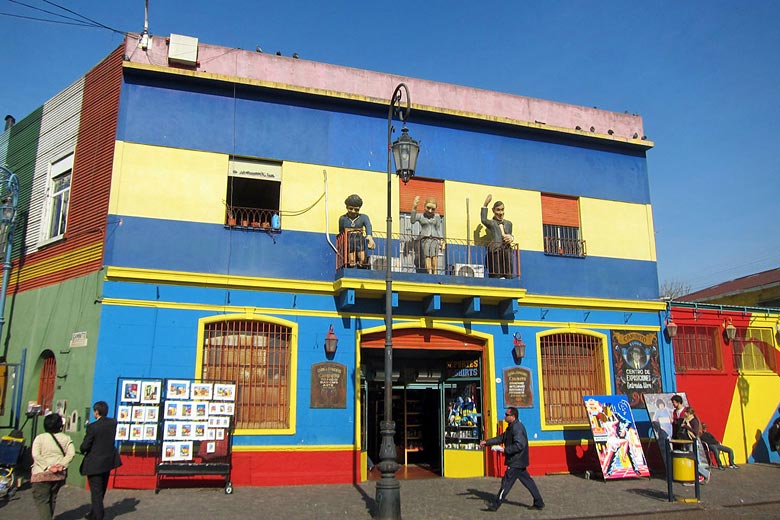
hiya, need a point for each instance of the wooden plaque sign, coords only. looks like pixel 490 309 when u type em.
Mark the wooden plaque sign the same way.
pixel 518 387
pixel 328 385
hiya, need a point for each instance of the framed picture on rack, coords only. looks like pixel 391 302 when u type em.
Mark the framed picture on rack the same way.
pixel 172 409
pixel 150 432
pixel 139 413
pixel 178 389
pixel 152 414
pixel 169 451
pixel 211 434
pixel 201 391
pixel 224 392
pixel 136 432
pixel 150 392
pixel 199 431
pixel 184 450
pixel 201 411
pixel 220 434
pixel 185 430
pixel 171 431
pixel 123 413
pixel 186 411
pixel 131 391
pixel 122 432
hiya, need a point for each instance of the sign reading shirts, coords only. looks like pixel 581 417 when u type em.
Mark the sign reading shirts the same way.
pixel 615 436
pixel 636 365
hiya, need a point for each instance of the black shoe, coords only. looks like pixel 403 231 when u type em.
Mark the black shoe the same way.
pixel 90 515
pixel 536 506
pixel 493 506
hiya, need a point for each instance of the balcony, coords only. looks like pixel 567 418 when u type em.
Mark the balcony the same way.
pixel 571 247
pixel 467 279
pixel 252 219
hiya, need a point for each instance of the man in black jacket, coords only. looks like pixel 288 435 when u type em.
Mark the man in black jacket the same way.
pixel 99 457
pixel 515 442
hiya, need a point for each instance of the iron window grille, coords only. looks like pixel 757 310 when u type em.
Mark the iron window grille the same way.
pixel 255 354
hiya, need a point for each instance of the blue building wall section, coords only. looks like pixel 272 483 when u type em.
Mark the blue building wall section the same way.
pixel 297 128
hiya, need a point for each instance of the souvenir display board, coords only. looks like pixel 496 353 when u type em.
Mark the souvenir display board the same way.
pixel 186 423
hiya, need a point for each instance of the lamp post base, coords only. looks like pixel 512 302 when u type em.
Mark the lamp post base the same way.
pixel 388 489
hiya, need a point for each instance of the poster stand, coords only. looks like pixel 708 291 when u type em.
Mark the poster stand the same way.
pixel 187 424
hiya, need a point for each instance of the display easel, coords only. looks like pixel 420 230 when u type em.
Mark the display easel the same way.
pixel 186 423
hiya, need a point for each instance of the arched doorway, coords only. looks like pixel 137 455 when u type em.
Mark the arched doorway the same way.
pixel 438 400
pixel 47 381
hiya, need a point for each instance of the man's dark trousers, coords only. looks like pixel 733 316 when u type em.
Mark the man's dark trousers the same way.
pixel 521 474
pixel 97 489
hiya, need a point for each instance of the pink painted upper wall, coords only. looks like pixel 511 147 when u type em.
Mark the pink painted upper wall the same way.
pixel 379 86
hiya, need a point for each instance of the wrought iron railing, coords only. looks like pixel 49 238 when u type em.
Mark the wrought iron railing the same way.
pixel 252 218
pixel 565 247
pixel 424 255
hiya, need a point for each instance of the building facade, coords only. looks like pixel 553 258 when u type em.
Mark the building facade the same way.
pixel 181 220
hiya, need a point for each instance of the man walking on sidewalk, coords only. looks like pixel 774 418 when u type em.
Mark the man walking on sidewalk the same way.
pixel 515 448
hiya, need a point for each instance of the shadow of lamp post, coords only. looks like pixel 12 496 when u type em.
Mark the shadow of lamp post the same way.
pixel 404 152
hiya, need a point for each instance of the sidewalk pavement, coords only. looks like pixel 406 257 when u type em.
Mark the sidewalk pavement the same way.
pixel 751 491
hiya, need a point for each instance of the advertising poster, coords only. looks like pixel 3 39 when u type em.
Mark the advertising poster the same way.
pixel 614 433
pixel 636 365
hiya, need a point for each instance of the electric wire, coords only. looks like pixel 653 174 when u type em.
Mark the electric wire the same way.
pixel 80 21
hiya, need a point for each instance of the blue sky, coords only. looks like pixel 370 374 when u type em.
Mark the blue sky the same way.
pixel 704 76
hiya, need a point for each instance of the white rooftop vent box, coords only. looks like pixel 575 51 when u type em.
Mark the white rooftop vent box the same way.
pixel 183 49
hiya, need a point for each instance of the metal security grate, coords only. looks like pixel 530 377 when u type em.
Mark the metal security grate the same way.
pixel 696 348
pixel 47 382
pixel 753 349
pixel 256 355
pixel 572 367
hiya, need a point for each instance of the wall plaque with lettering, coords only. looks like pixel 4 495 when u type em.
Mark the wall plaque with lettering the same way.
pixel 518 388
pixel 328 385
pixel 637 365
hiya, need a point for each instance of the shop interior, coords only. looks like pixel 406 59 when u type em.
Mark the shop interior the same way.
pixel 430 391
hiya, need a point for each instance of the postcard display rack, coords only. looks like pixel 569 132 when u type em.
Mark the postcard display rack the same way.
pixel 187 423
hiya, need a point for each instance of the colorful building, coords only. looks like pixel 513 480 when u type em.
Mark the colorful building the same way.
pixel 181 207
pixel 727 360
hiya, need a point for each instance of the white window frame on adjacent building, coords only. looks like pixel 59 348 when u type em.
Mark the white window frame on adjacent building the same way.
pixel 57 199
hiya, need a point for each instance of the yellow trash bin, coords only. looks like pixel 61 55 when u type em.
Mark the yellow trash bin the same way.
pixel 683 468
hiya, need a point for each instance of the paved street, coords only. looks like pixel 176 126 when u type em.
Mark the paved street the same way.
pixel 752 491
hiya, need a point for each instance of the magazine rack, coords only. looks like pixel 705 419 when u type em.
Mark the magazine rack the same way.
pixel 186 423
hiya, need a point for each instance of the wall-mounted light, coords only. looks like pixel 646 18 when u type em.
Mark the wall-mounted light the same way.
pixel 671 327
pixel 331 343
pixel 518 347
pixel 729 330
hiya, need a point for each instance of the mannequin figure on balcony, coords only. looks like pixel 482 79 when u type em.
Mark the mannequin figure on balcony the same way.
pixel 431 235
pixel 352 225
pixel 499 230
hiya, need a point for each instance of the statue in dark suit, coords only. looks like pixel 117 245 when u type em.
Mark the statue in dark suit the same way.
pixel 100 457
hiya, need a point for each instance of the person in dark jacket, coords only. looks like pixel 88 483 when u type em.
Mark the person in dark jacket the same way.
pixel 716 447
pixel 515 448
pixel 99 457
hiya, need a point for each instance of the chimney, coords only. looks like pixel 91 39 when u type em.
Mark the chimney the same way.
pixel 9 121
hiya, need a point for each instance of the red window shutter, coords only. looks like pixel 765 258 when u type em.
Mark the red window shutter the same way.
pixel 560 211
pixel 425 188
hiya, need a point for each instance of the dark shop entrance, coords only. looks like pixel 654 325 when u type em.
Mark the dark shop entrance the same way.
pixel 437 400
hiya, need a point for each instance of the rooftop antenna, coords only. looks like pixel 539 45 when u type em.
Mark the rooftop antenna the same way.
pixel 145 38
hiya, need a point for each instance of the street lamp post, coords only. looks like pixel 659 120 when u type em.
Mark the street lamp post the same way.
pixel 404 151
pixel 9 197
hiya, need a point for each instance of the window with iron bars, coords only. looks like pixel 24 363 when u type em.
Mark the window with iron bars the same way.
pixel 563 241
pixel 46 381
pixel 697 348
pixel 753 349
pixel 255 354
pixel 572 367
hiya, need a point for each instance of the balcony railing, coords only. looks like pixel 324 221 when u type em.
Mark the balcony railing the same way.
pixel 458 258
pixel 252 218
pixel 565 247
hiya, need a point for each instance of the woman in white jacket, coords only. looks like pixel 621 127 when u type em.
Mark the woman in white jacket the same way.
pixel 52 452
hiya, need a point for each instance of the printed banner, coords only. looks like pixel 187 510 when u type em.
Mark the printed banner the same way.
pixel 636 365
pixel 615 436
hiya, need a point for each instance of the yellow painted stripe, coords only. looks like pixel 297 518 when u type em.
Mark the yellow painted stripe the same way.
pixel 324 447
pixel 61 262
pixel 644 144
pixel 303 286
